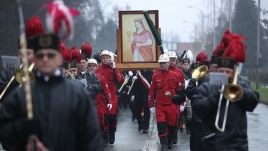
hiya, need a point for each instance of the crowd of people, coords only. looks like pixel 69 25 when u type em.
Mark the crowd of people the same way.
pixel 76 97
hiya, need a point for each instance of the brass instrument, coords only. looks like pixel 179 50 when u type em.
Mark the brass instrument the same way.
pixel 233 93
pixel 19 77
pixel 200 72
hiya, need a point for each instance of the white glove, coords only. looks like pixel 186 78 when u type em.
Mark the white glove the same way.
pixel 139 72
pixel 182 107
pixel 132 98
pixel 113 65
pixel 168 94
pixel 152 110
pixel 109 106
pixel 135 78
pixel 130 73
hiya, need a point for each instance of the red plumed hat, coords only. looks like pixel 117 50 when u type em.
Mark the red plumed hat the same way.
pixel 236 49
pixel 67 56
pixel 76 55
pixel 225 41
pixel 34 27
pixel 201 57
pixel 86 49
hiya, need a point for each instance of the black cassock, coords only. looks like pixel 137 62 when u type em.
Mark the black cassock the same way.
pixel 64 117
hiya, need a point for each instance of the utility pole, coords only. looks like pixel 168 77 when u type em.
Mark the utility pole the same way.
pixel 230 14
pixel 258 45
pixel 214 24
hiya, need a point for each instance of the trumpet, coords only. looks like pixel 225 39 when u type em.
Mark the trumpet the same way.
pixel 19 77
pixel 233 93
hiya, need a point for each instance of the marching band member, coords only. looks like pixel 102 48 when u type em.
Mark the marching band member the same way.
pixel 232 108
pixel 64 117
pixel 112 75
pixel 102 101
pixel 92 83
pixel 173 67
pixel 33 27
pixel 139 91
pixel 194 123
pixel 164 86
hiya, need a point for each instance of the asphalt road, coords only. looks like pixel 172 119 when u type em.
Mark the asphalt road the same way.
pixel 129 139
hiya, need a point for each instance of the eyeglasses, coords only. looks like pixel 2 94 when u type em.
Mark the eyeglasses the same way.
pixel 162 62
pixel 49 55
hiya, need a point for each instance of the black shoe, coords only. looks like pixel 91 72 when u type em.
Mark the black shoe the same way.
pixel 170 146
pixel 105 144
pixel 111 138
pixel 145 131
pixel 164 147
pixel 133 118
pixel 140 129
pixel 170 142
pixel 175 140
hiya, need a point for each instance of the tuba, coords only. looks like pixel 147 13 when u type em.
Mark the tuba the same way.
pixel 233 93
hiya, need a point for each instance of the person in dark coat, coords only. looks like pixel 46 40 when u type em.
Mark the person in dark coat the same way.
pixel 64 118
pixel 205 104
pixel 33 27
pixel 139 94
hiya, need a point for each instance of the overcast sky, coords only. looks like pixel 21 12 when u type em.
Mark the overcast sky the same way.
pixel 172 13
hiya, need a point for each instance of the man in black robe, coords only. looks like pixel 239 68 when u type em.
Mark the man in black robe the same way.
pixel 64 117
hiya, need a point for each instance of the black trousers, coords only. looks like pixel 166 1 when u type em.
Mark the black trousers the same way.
pixel 141 105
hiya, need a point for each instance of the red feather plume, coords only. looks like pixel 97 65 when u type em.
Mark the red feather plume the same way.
pixel 34 27
pixel 236 49
pixel 87 49
pixel 76 55
pixel 65 53
pixel 201 57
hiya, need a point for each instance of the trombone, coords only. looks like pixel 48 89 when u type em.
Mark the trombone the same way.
pixel 233 93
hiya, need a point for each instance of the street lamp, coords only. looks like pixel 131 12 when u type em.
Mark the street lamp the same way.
pixel 187 22
pixel 202 14
pixel 258 44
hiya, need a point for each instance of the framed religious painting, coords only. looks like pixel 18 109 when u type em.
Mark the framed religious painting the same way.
pixel 137 48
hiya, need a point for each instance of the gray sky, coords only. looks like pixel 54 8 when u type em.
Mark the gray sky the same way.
pixel 172 13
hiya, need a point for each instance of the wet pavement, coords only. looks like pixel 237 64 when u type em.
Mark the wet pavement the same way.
pixel 258 128
pixel 129 139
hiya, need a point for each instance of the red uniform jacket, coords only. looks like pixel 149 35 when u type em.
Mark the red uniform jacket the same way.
pixel 162 82
pixel 110 74
pixel 180 75
pixel 102 99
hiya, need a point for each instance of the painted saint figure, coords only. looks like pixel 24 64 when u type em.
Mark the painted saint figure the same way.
pixel 141 43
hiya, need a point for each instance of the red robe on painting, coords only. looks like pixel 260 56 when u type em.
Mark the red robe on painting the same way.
pixel 145 51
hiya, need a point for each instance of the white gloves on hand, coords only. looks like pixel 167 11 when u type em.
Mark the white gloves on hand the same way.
pixel 182 107
pixel 130 73
pixel 113 65
pixel 109 106
pixel 152 110
pixel 132 98
pixel 135 78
